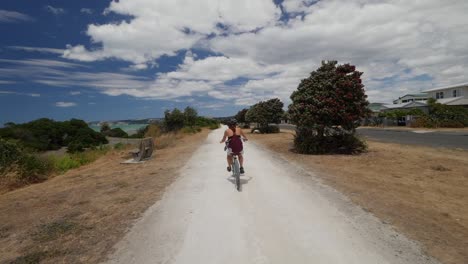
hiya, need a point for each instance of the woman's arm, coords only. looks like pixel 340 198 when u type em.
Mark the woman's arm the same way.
pixel 224 137
pixel 243 135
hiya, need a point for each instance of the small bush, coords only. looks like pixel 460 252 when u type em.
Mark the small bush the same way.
pixel 65 163
pixel 20 165
pixel 267 130
pixel 190 130
pixel 119 146
pixel 75 146
pixel 153 130
pixel 307 141
pixel 9 154
pixel 116 132
pixel 213 126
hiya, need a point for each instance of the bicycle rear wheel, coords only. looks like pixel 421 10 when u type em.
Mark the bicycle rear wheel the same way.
pixel 236 172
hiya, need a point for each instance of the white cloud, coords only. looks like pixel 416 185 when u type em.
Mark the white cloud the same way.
pixel 402 46
pixel 55 10
pixel 88 11
pixel 65 104
pixel 18 93
pixel 38 49
pixel 12 17
pixel 75 93
pixel 165 27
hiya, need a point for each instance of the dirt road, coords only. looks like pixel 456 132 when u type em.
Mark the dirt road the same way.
pixel 283 215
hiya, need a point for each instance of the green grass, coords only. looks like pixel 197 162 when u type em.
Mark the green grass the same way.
pixel 68 161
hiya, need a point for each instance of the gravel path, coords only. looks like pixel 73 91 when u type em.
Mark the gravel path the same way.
pixel 282 215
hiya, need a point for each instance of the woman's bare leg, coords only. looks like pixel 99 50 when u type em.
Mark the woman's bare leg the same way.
pixel 241 160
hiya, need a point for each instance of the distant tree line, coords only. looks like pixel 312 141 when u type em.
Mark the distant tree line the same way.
pixel 46 134
pixel 187 121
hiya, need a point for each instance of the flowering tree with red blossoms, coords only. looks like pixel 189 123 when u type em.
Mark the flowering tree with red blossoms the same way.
pixel 327 108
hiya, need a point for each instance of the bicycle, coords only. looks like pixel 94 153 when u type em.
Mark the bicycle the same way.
pixel 235 167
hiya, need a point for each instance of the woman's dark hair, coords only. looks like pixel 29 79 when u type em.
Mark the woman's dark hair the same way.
pixel 232 122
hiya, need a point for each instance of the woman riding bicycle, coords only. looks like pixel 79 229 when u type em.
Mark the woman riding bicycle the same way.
pixel 234 135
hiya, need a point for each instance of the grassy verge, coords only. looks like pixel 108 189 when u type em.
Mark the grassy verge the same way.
pixel 80 215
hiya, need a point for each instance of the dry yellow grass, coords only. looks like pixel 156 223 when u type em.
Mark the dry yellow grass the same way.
pixel 78 217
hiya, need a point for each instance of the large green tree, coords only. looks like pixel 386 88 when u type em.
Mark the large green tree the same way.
pixel 174 120
pixel 240 116
pixel 327 107
pixel 190 115
pixel 265 113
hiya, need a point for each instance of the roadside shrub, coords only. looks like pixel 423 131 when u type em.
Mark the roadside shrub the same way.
pixel 65 163
pixel 153 130
pixel 32 169
pixel 308 141
pixel 424 121
pixel 267 129
pixel 451 124
pixel 71 161
pixel 265 113
pixel 191 130
pixel 75 146
pixel 116 132
pixel 119 146
pixel 213 126
pixel 9 154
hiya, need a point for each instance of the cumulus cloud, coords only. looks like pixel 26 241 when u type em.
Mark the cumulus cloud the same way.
pixel 55 10
pixel 402 46
pixel 165 27
pixel 12 17
pixel 65 104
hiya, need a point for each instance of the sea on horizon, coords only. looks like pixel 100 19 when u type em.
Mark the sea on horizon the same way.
pixel 128 128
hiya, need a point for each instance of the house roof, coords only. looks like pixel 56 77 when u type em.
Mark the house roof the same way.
pixel 447 87
pixel 405 105
pixel 460 100
pixel 416 95
pixel 376 107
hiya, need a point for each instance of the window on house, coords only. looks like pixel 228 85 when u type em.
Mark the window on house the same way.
pixel 439 95
pixel 454 93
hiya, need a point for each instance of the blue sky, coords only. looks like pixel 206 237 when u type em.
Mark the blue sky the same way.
pixel 108 60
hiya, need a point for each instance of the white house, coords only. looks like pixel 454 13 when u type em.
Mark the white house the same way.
pixel 419 97
pixel 406 106
pixel 450 95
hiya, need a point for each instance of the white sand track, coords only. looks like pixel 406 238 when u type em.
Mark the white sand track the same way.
pixel 283 215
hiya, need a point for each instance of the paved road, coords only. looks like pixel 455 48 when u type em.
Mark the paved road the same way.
pixel 282 215
pixel 415 137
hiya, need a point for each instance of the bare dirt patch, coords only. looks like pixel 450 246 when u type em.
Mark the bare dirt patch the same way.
pixel 421 191
pixel 78 217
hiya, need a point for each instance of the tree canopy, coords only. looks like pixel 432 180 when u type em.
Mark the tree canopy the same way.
pixel 265 113
pixel 327 107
